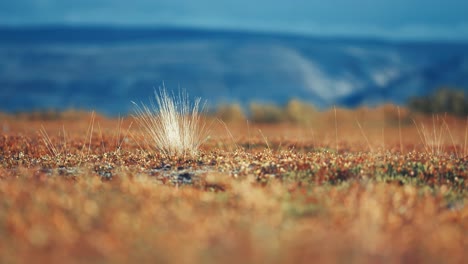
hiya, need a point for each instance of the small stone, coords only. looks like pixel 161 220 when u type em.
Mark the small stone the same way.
pixel 184 178
pixel 166 167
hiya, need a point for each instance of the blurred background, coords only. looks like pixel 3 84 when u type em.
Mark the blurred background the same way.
pixel 102 54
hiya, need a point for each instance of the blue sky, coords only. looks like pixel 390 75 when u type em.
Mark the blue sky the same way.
pixel 399 19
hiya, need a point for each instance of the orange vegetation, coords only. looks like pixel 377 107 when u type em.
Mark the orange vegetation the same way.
pixel 362 186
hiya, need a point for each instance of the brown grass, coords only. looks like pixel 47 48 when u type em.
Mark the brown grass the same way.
pixel 256 193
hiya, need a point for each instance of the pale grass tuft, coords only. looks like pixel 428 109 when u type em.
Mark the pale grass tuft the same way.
pixel 175 126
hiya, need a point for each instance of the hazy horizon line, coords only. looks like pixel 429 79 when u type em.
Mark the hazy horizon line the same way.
pixel 228 29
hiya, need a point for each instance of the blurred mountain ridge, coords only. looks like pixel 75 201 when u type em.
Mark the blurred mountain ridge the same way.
pixel 104 68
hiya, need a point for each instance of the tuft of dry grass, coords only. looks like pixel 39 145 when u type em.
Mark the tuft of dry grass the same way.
pixel 174 127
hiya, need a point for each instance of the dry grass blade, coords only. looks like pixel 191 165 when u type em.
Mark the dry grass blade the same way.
pixel 264 138
pixel 48 142
pixel 451 138
pixel 248 132
pixel 174 127
pixel 465 153
pixel 364 135
pixel 438 137
pixel 103 144
pixel 420 136
pixel 89 132
pixel 124 138
pixel 399 129
pixel 117 138
pixel 336 130
pixel 229 132
pixel 65 149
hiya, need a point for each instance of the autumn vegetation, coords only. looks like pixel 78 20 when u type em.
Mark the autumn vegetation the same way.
pixel 282 184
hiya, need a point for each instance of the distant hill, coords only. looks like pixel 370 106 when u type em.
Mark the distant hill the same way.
pixel 104 68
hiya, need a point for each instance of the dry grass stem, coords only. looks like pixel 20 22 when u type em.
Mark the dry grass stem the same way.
pixel 364 135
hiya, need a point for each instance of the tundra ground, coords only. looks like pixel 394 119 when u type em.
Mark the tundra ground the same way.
pixel 363 186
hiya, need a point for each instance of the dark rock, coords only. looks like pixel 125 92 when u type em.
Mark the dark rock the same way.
pixel 106 175
pixel 184 178
pixel 105 171
pixel 166 167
